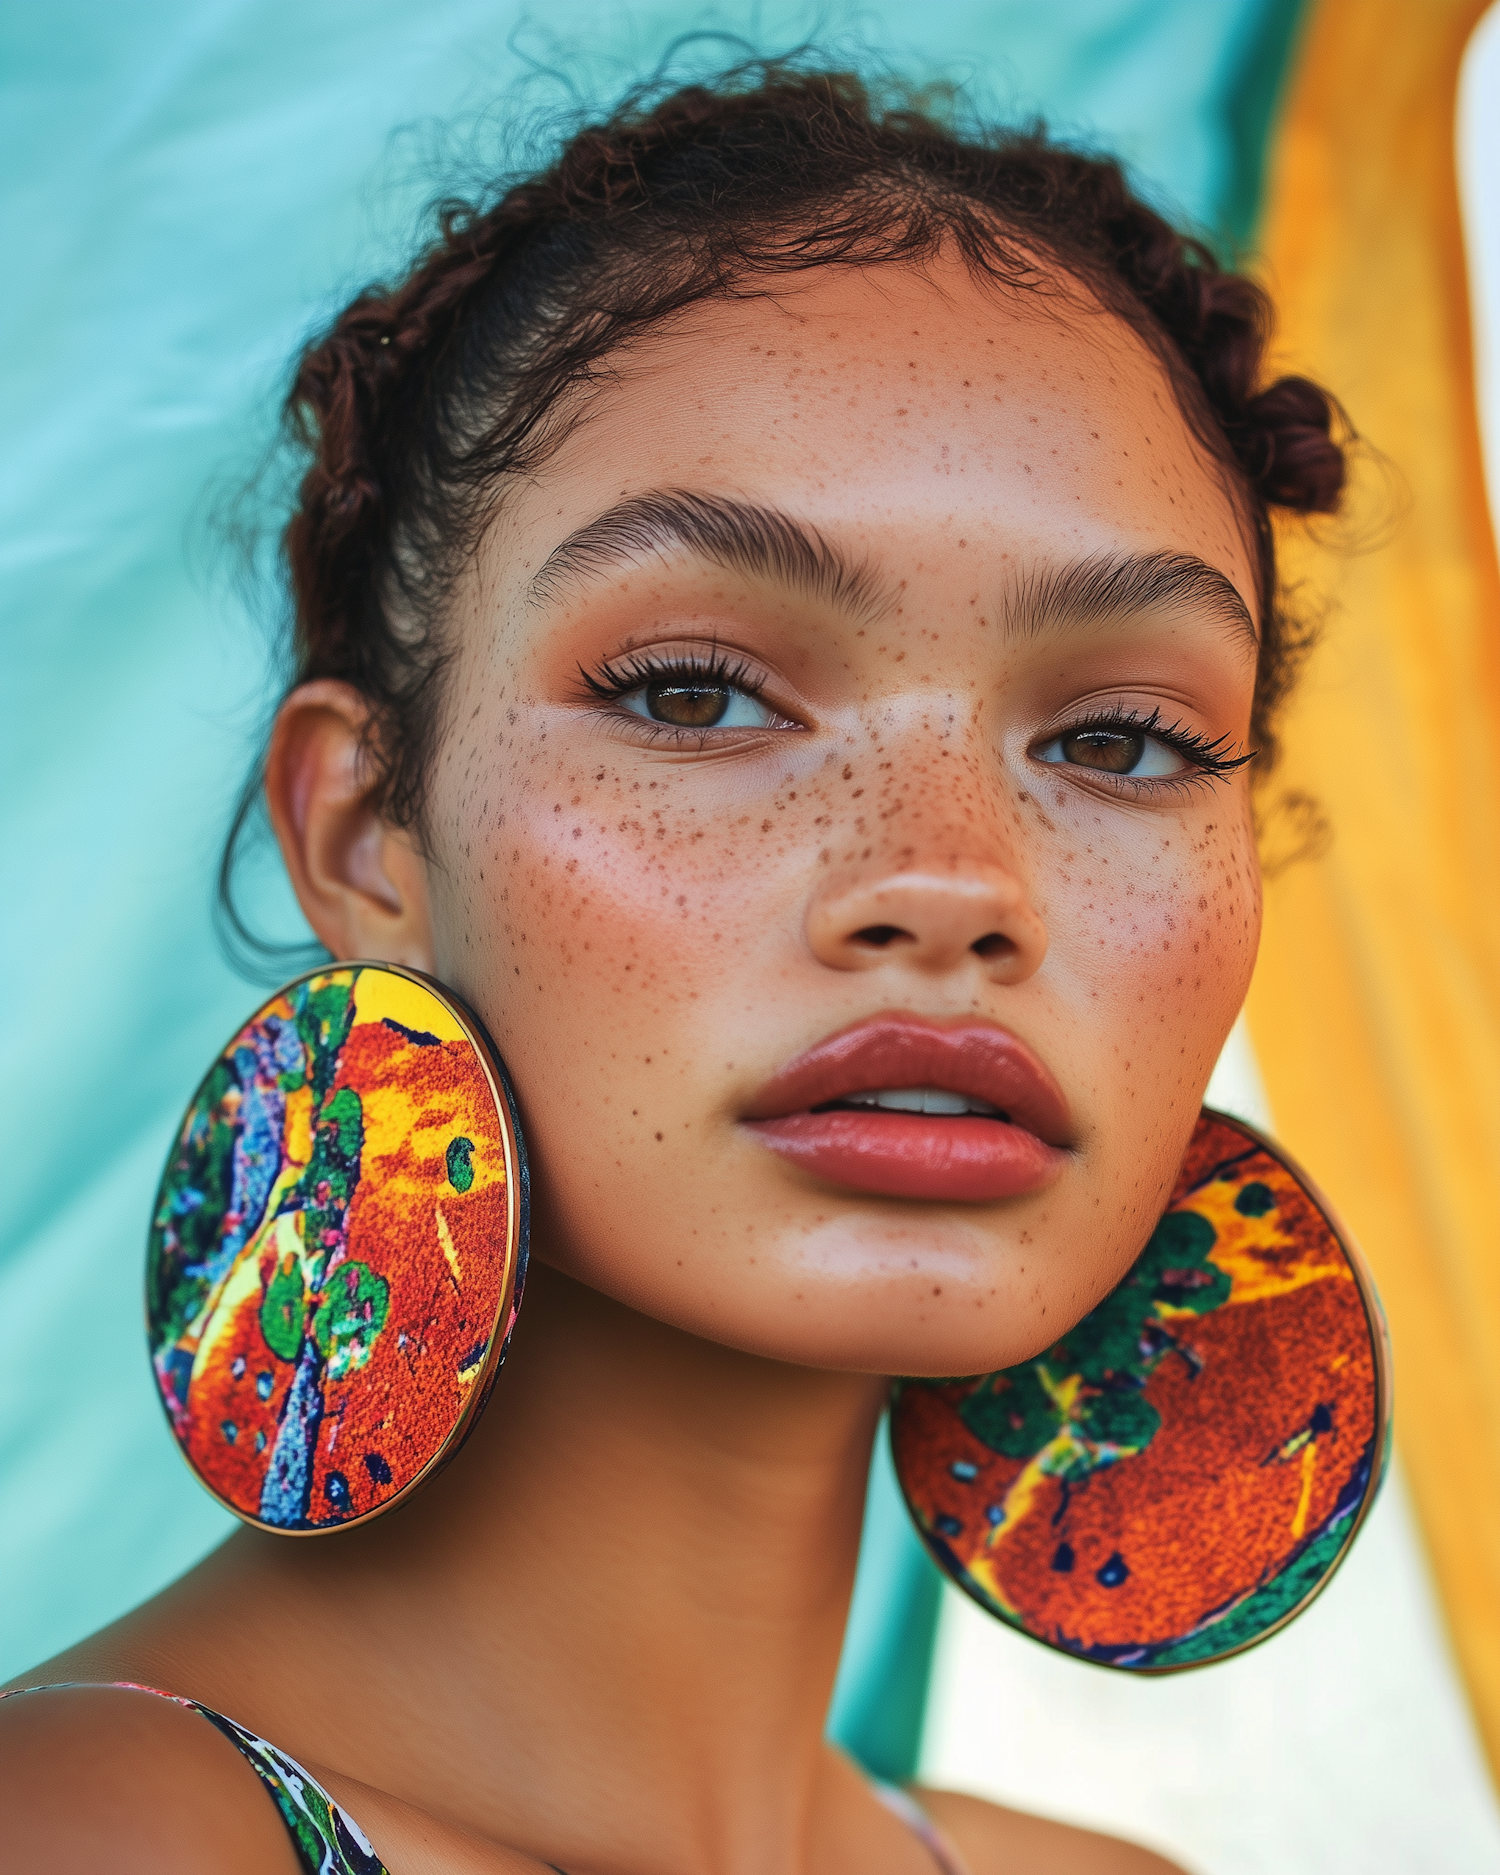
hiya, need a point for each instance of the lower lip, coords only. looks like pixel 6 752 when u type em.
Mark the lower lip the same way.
pixel 907 1155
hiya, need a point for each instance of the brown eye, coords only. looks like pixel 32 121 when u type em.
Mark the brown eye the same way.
pixel 1116 751
pixel 696 700
pixel 1108 750
pixel 687 706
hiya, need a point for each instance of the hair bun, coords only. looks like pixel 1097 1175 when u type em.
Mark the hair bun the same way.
pixel 1286 444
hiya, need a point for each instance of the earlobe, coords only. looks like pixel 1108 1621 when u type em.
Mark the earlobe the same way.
pixel 360 881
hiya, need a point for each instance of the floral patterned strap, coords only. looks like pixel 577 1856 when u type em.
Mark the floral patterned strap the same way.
pixel 330 1842
pixel 327 1838
pixel 921 1825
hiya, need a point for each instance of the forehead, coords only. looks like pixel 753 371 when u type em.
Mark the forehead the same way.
pixel 894 408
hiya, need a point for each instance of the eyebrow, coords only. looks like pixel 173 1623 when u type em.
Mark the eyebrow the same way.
pixel 738 535
pixel 1115 586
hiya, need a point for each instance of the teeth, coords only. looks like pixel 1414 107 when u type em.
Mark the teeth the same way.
pixel 920 1100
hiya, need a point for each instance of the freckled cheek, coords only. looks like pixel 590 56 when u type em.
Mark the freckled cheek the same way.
pixel 615 898
pixel 1158 973
pixel 1168 946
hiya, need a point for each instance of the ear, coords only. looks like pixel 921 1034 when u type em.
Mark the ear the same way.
pixel 361 882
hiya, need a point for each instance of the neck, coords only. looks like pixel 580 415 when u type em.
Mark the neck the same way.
pixel 638 1570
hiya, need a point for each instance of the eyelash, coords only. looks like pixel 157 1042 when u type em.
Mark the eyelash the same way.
pixel 608 682
pixel 1207 755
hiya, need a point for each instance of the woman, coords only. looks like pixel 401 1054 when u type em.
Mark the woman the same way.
pixel 785 613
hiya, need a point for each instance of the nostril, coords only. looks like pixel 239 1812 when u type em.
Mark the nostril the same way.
pixel 993 944
pixel 879 936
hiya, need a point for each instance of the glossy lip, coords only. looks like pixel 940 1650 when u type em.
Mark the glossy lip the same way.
pixel 905 1155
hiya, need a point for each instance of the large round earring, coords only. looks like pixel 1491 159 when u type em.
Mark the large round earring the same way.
pixel 338 1249
pixel 1178 1476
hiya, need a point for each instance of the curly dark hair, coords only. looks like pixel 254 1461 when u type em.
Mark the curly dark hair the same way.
pixel 424 398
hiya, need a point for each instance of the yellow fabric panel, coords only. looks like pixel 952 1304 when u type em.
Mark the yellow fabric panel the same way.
pixel 1375 1009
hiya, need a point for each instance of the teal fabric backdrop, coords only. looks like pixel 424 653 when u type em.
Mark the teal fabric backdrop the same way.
pixel 191 186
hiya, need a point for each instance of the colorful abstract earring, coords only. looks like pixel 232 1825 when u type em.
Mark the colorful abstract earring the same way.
pixel 1182 1472
pixel 338 1249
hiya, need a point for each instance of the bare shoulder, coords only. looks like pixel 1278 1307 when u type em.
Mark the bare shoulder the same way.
pixel 95 1777
pixel 996 1841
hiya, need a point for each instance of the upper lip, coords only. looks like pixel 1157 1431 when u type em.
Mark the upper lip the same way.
pixel 973 1058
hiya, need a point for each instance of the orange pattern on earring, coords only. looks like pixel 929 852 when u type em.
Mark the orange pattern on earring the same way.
pixel 1177 1476
pixel 334 1248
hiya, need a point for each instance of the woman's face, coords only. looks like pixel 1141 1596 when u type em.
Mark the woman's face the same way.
pixel 821 822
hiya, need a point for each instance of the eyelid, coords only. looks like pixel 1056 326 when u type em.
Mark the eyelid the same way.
pixel 613 679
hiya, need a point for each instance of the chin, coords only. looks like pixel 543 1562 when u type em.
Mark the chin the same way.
pixel 955 1334
pixel 910 1289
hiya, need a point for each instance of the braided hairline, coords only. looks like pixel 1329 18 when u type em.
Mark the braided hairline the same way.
pixel 421 402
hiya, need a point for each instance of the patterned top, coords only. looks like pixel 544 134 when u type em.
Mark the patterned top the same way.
pixel 330 1842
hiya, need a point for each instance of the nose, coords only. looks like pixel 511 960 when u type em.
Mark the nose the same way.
pixel 931 921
